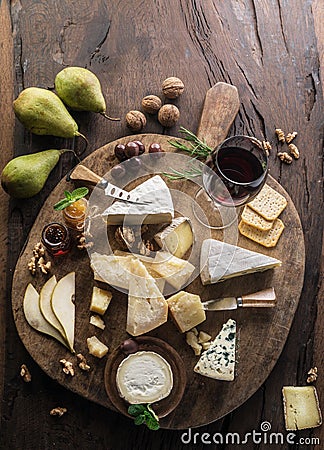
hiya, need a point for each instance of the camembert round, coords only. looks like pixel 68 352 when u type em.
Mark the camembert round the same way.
pixel 144 377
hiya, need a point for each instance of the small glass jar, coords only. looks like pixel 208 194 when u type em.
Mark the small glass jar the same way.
pixel 56 239
pixel 74 215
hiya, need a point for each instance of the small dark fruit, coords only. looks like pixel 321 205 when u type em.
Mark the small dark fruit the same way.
pixel 118 171
pixel 120 152
pixel 131 149
pixel 135 163
pixel 156 149
pixel 141 147
pixel 129 346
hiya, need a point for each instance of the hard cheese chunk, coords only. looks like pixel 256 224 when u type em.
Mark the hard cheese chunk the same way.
pixel 96 347
pixel 159 208
pixel 218 361
pixel 186 310
pixel 100 300
pixel 147 308
pixel 176 238
pixel 301 407
pixel 220 261
pixel 175 271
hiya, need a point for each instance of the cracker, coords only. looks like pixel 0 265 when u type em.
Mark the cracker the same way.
pixel 268 203
pixel 266 238
pixel 254 219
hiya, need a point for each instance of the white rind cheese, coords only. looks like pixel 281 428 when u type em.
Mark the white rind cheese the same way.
pixel 220 261
pixel 159 210
pixel 144 377
pixel 177 237
pixel 218 361
pixel 147 308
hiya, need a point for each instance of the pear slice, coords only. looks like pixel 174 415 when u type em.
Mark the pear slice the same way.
pixel 46 306
pixel 62 302
pixel 34 316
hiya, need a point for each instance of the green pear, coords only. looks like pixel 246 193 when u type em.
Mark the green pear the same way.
pixel 80 90
pixel 25 176
pixel 43 112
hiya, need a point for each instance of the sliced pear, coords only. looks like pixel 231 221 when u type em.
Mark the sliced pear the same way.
pixel 46 306
pixel 62 302
pixel 34 316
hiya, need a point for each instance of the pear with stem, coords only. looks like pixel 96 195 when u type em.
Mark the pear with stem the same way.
pixel 43 112
pixel 80 90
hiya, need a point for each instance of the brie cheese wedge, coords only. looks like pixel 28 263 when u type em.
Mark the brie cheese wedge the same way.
pixel 144 377
pixel 159 208
pixel 218 361
pixel 220 261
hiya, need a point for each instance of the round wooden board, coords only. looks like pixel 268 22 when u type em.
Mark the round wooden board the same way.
pixel 261 332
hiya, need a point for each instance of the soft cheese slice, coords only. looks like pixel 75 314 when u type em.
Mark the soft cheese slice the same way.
pixel 159 210
pixel 220 261
pixel 175 271
pixel 177 237
pixel 144 377
pixel 147 308
pixel 218 361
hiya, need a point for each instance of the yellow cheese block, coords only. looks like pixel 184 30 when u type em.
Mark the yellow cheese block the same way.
pixel 176 238
pixel 186 310
pixel 301 407
pixel 100 300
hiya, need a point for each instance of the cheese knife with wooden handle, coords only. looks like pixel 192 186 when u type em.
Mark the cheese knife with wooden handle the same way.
pixel 261 299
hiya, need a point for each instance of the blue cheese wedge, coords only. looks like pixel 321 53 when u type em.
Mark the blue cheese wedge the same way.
pixel 177 237
pixel 218 361
pixel 220 261
pixel 159 209
pixel 144 377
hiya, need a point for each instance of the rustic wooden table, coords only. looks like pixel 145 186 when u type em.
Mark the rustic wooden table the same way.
pixel 273 51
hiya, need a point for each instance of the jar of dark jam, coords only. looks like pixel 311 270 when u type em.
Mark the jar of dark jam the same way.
pixel 56 239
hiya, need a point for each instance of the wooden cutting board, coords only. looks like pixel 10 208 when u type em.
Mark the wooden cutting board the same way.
pixel 261 332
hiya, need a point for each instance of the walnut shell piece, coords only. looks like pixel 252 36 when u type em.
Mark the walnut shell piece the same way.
pixel 151 104
pixel 168 115
pixel 172 87
pixel 135 120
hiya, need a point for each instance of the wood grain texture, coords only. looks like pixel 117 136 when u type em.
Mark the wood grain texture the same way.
pixel 271 50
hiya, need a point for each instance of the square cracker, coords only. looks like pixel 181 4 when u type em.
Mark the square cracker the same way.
pixel 254 219
pixel 268 203
pixel 266 238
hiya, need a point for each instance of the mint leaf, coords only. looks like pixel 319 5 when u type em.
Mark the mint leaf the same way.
pixel 62 204
pixel 139 419
pixel 79 193
pixel 152 424
pixel 68 195
pixel 134 410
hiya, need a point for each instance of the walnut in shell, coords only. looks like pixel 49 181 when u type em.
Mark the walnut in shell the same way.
pixel 135 120
pixel 172 87
pixel 151 104
pixel 168 115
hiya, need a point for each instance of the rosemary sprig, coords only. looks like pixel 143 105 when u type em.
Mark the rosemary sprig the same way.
pixel 186 174
pixel 196 148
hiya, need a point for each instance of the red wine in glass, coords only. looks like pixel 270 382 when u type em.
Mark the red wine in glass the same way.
pixel 241 166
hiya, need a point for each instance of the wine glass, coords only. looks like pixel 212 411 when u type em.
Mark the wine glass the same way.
pixel 233 175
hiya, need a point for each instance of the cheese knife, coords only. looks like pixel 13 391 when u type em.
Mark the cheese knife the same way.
pixel 260 299
pixel 82 173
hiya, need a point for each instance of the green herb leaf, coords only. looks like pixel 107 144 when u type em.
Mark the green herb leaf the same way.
pixel 185 175
pixel 134 410
pixel 139 419
pixel 196 148
pixel 62 204
pixel 71 197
